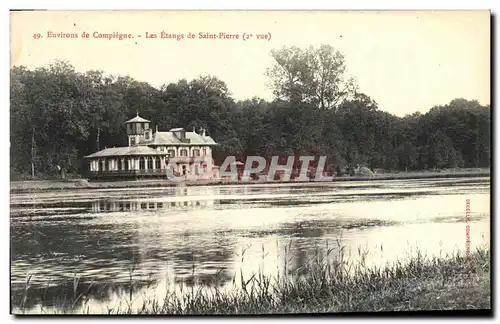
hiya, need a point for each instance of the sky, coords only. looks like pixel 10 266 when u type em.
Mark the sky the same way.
pixel 407 61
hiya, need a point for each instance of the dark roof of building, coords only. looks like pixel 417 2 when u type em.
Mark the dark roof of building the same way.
pixel 124 151
pixel 169 138
pixel 137 119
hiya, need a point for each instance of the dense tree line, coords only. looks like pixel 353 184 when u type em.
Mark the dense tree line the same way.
pixel 58 115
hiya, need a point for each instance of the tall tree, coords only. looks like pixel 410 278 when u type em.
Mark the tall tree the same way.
pixel 58 115
pixel 315 75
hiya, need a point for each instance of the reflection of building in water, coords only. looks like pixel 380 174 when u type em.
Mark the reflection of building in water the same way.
pixel 145 204
pixel 195 191
pixel 177 198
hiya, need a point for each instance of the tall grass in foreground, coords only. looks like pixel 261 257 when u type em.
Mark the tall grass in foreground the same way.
pixel 329 285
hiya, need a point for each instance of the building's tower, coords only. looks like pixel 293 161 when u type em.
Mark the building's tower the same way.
pixel 138 130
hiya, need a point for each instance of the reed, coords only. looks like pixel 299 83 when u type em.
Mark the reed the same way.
pixel 327 284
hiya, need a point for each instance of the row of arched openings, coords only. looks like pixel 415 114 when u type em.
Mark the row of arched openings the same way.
pixel 148 161
pixel 143 162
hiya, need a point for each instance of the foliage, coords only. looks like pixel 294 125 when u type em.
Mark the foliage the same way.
pixel 314 75
pixel 59 115
pixel 323 284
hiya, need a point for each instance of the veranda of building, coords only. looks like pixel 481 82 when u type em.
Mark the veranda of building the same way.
pixel 149 153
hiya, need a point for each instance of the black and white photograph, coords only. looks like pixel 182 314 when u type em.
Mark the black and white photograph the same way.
pixel 218 162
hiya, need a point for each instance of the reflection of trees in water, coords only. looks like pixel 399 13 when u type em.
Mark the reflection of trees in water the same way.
pixel 72 241
pixel 296 258
pixel 193 259
pixel 195 263
pixel 104 253
pixel 64 296
pixel 192 264
pixel 299 255
pixel 62 249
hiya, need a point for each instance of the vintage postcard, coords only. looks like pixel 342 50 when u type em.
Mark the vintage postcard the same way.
pixel 249 162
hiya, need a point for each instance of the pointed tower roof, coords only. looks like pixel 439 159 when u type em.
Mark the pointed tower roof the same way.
pixel 137 119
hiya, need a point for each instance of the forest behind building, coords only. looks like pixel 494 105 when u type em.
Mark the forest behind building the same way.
pixel 59 115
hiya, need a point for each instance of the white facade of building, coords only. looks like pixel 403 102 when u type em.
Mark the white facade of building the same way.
pixel 153 153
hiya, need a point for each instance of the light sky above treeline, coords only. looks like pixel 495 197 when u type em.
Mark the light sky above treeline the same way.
pixel 406 61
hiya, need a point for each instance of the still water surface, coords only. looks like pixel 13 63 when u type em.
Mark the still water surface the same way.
pixel 185 236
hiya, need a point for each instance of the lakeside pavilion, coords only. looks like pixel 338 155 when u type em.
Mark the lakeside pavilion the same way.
pixel 149 153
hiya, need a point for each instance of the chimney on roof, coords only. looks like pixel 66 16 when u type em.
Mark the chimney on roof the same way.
pixel 203 132
pixel 156 128
pixel 194 129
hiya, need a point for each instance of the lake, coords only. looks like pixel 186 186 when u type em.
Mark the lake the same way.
pixel 182 237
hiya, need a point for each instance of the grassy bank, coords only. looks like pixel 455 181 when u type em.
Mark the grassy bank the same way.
pixel 81 184
pixel 454 282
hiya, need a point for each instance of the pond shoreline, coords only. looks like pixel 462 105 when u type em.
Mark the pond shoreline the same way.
pixel 454 282
pixel 17 187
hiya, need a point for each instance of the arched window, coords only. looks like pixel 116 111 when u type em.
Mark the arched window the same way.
pixel 142 164
pixel 150 162
pixel 171 153
pixel 158 163
pixel 196 152
pixel 184 152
